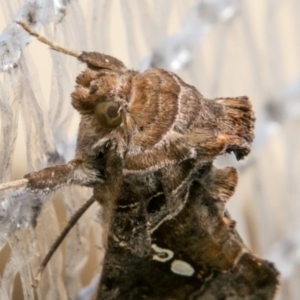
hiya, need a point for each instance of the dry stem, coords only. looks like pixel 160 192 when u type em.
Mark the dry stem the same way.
pixel 13 184
pixel 48 42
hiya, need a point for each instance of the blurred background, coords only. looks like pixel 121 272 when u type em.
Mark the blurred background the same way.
pixel 223 47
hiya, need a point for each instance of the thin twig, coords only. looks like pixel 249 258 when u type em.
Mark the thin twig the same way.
pixel 48 42
pixel 60 238
pixel 13 184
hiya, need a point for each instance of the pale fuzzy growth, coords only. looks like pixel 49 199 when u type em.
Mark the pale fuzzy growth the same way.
pixel 14 38
pixel 18 211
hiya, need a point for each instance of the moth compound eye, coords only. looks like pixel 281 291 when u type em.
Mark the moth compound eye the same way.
pixel 108 114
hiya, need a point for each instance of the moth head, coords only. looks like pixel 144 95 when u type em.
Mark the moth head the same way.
pixel 101 89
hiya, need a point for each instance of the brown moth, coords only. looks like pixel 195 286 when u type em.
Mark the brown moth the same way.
pixel 151 120
pixel 146 143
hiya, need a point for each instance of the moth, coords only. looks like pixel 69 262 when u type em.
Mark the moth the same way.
pixel 146 143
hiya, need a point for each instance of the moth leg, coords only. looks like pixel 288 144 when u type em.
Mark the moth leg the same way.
pixel 87 171
pixel 95 60
pixel 13 184
pixel 60 238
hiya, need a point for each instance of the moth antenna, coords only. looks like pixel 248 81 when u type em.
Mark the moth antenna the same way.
pixel 48 42
pixel 13 184
pixel 78 214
